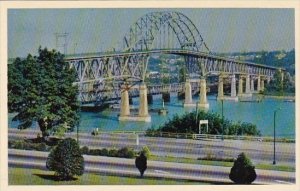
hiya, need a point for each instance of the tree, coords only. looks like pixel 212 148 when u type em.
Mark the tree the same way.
pixel 146 151
pixel 281 82
pixel 141 163
pixel 242 172
pixel 66 159
pixel 40 90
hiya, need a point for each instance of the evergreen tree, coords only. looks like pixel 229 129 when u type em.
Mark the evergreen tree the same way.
pixel 40 90
pixel 242 172
pixel 66 159
pixel 141 163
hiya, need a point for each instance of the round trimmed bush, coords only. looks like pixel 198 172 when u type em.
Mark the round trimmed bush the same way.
pixel 242 172
pixel 66 159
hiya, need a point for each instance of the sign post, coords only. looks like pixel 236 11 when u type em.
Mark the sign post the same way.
pixel 205 122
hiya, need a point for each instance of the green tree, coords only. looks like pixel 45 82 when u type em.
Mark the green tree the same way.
pixel 40 90
pixel 66 159
pixel 281 82
pixel 243 171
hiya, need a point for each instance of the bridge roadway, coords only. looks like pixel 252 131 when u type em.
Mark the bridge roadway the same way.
pixel 259 152
pixel 182 52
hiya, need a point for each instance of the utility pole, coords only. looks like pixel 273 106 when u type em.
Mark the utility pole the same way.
pixel 222 121
pixel 62 43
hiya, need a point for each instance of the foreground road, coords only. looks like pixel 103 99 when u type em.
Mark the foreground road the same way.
pixel 259 152
pixel 119 166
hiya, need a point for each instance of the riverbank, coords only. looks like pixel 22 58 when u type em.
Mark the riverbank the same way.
pixel 288 98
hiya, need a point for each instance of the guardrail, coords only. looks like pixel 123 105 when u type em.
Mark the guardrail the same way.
pixel 240 137
pixel 210 136
pixel 199 136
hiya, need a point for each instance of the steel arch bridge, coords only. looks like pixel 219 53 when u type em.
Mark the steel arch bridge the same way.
pixel 100 75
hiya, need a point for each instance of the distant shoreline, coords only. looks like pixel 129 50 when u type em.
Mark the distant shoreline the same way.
pixel 280 97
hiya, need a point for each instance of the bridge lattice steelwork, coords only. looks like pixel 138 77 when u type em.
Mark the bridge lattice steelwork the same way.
pixel 154 33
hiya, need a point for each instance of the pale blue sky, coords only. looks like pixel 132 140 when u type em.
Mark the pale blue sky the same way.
pixel 95 30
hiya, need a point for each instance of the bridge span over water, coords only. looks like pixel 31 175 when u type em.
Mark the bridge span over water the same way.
pixel 162 33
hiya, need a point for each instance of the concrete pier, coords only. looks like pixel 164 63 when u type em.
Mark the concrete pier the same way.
pixel 262 84
pixel 203 99
pixel 258 84
pixel 143 107
pixel 240 92
pixel 188 101
pixel 248 91
pixel 233 86
pixel 232 96
pixel 220 88
pixel 252 85
pixel 124 108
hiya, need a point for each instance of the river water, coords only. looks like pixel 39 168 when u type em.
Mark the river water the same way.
pixel 259 113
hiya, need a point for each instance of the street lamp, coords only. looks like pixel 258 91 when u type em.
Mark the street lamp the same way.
pixel 222 121
pixel 274 140
pixel 197 113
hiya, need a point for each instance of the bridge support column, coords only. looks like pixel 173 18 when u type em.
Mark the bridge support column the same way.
pixel 203 99
pixel 220 88
pixel 233 96
pixel 240 92
pixel 258 84
pixel 143 108
pixel 248 91
pixel 262 84
pixel 252 85
pixel 124 107
pixel 188 101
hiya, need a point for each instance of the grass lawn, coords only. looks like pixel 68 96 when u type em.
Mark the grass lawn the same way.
pixel 220 163
pixel 24 176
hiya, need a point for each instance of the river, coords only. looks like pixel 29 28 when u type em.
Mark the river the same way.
pixel 259 113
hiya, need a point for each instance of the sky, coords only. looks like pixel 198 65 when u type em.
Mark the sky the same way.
pixel 98 30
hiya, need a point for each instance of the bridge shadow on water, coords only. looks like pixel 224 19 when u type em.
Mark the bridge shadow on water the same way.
pixel 111 117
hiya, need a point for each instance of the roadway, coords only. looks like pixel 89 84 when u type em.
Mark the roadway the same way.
pixel 126 167
pixel 259 152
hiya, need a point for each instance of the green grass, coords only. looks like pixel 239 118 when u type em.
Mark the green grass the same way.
pixel 220 163
pixel 22 176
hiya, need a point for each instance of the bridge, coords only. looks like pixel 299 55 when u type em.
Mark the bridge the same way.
pixel 167 32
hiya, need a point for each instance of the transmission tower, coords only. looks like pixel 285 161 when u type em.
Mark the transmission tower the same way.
pixel 62 41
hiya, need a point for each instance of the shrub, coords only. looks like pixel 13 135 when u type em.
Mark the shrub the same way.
pixel 146 151
pixel 187 124
pixel 27 145
pixel 242 172
pixel 113 153
pixel 40 146
pixel 96 152
pixel 141 163
pixel 66 159
pixel 125 153
pixel 84 150
pixel 104 152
